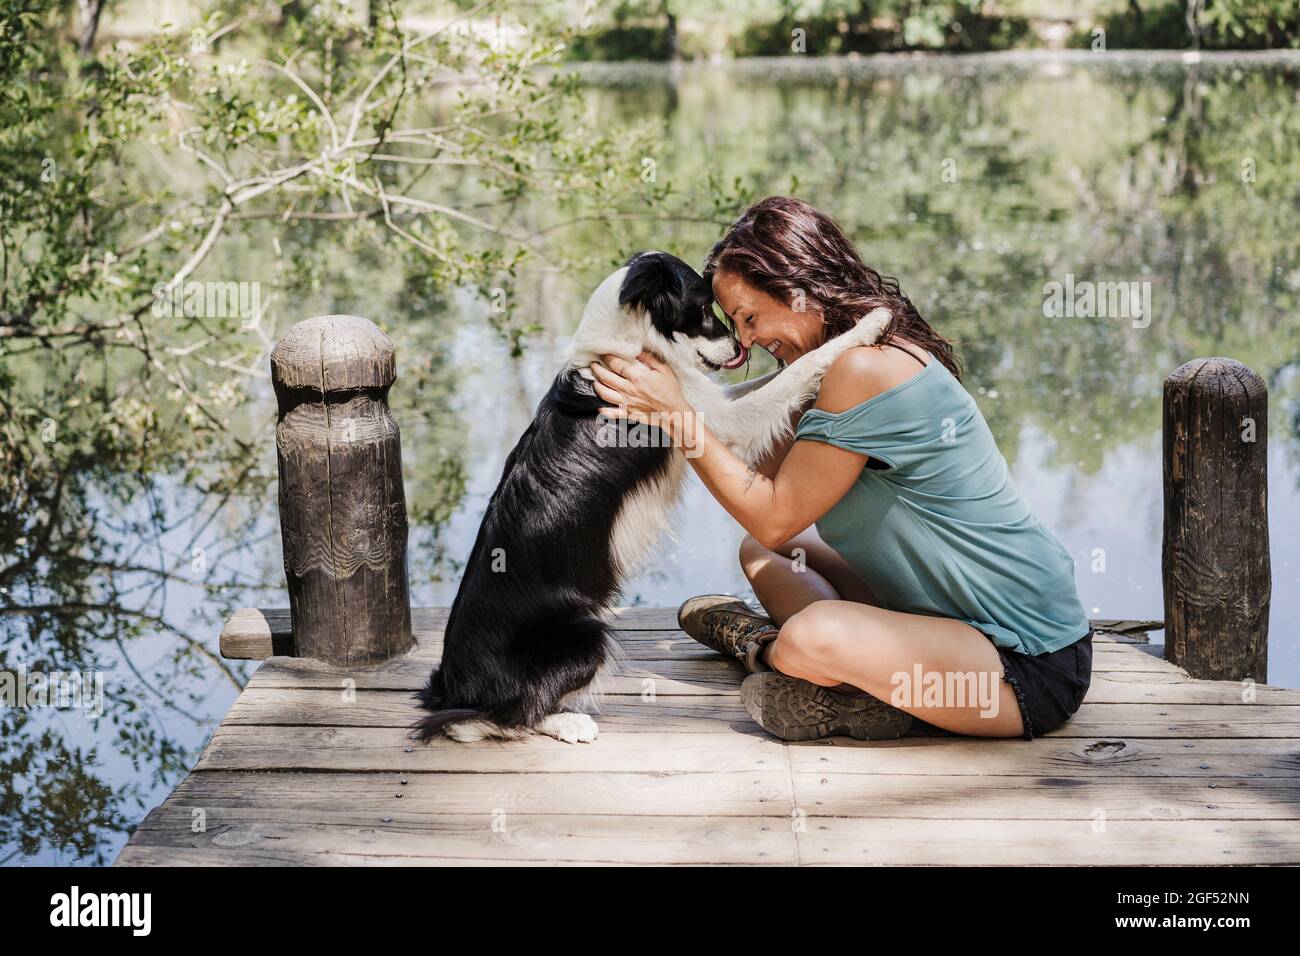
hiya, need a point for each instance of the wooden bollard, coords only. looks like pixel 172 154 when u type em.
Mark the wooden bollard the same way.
pixel 1215 552
pixel 342 507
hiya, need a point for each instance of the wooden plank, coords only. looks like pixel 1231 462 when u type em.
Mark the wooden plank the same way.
pixel 259 633
pixel 713 675
pixel 552 840
pixel 1052 756
pixel 378 708
pixel 718 675
pixel 1184 721
pixel 898 842
pixel 827 793
pixel 368 749
pixel 268 836
pixel 254 634
pixel 447 821
pixel 1130 658
pixel 1134 687
pixel 360 797
pixel 273 853
pixel 719 713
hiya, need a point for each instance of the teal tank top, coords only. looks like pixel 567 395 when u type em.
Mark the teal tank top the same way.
pixel 943 530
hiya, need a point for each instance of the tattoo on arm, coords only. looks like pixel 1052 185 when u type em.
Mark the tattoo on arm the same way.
pixel 750 475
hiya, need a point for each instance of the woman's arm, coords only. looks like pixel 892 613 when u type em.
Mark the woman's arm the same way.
pixel 810 480
pixel 808 483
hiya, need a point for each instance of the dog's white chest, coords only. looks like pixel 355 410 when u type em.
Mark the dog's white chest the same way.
pixel 645 515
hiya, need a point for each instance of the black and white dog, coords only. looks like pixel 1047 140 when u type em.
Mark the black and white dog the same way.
pixel 575 512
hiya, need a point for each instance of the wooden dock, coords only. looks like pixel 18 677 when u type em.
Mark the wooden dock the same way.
pixel 312 765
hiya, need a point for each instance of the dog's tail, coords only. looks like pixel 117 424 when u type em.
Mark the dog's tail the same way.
pixel 434 691
pixel 435 724
pixel 431 697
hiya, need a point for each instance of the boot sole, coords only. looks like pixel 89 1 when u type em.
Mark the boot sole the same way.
pixel 795 709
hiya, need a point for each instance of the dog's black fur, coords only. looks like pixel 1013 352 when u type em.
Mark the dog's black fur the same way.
pixel 520 639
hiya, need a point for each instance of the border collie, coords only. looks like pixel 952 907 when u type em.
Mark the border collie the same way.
pixel 575 511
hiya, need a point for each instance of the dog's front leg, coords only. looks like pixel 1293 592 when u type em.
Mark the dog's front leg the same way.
pixel 752 424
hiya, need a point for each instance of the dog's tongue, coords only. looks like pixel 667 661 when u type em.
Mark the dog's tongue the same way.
pixel 739 360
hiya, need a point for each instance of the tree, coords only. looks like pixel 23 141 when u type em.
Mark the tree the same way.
pixel 455 154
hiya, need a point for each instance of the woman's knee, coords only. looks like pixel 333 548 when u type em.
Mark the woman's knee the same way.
pixel 816 633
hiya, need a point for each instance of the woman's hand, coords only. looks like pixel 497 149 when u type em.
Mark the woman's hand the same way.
pixel 645 390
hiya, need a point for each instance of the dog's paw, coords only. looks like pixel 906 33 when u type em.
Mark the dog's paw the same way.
pixel 571 728
pixel 870 326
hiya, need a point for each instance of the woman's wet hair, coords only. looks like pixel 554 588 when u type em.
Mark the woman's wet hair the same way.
pixel 798 255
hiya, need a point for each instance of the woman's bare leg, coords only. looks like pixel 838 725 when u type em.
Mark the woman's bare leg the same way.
pixel 936 668
pixel 833 637
pixel 803 570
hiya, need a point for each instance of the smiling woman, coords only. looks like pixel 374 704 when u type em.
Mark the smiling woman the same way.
pixel 928 561
pixel 784 262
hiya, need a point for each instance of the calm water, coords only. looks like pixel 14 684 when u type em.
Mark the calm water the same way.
pixel 974 182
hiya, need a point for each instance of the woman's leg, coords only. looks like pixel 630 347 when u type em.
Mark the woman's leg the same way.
pixel 936 668
pixel 803 570
pixel 830 638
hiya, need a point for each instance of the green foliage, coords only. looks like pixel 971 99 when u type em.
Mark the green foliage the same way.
pixel 626 42
pixel 812 27
pixel 1220 25
pixel 1251 24
pixel 289 147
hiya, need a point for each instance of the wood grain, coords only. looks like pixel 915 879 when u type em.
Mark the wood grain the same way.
pixel 342 505
pixel 307 768
pixel 1214 553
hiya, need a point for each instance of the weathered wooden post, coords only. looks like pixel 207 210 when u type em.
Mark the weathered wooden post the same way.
pixel 1215 554
pixel 342 507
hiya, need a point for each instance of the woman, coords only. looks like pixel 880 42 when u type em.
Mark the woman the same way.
pixel 927 588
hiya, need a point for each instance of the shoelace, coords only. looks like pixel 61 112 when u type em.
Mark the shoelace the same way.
pixel 731 631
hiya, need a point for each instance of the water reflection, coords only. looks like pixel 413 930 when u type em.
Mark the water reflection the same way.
pixel 975 186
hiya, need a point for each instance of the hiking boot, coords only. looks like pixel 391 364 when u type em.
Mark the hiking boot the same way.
pixel 728 626
pixel 795 709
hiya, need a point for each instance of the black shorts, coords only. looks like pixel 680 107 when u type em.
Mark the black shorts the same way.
pixel 1050 687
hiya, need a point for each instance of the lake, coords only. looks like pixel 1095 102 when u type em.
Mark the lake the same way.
pixel 978 182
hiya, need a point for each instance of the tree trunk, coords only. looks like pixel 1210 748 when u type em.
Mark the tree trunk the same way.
pixel 90 13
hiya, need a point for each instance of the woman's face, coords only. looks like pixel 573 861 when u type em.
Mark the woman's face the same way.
pixel 768 322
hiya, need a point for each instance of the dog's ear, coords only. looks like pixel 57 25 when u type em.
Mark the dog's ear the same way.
pixel 653 284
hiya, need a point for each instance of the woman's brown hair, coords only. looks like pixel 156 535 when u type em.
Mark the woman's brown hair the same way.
pixel 788 248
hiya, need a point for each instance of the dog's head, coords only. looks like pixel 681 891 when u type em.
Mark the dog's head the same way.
pixel 678 306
